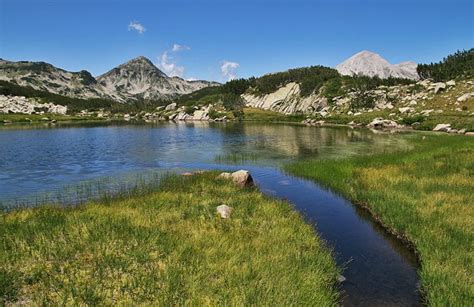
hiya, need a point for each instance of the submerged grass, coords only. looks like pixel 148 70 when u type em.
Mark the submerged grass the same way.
pixel 425 195
pixel 166 247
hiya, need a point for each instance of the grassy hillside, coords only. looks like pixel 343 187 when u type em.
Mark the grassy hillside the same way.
pixel 166 247
pixel 425 195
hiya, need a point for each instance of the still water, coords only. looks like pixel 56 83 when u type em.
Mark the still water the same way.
pixel 70 163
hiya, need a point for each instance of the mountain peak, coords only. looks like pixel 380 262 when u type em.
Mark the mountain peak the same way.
pixel 368 63
pixel 140 59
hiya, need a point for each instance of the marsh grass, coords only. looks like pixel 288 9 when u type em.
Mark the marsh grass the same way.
pixel 166 246
pixel 426 195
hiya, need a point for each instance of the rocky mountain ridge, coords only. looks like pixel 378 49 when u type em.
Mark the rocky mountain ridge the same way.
pixel 138 79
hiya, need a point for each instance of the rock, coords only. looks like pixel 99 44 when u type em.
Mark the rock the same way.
pixel 451 83
pixel 405 110
pixel 442 127
pixel 224 211
pixel 436 87
pixel 379 123
pixel 187 174
pixel 200 115
pixel 45 119
pixel 171 107
pixel 453 131
pixel 413 103
pixel 242 178
pixel 469 133
pixel 426 112
pixel 357 114
pixel 465 97
pixel 462 131
pixel 126 116
pixel 6 121
pixel 341 278
pixel 225 176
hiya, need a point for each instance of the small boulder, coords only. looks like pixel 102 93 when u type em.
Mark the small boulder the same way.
pixel 242 178
pixel 451 83
pixel 465 97
pixel 442 127
pixel 224 211
pixel 225 176
pixel 171 107
pixel 404 110
pixel 469 133
pixel 187 174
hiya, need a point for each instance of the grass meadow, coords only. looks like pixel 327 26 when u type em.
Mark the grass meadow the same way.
pixel 166 246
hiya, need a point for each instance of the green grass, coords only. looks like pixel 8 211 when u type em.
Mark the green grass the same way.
pixel 166 247
pixel 425 195
pixel 27 118
pixel 254 114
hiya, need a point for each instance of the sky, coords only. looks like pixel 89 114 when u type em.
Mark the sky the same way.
pixel 220 40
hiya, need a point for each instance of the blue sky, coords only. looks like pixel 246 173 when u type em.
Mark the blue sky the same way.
pixel 219 39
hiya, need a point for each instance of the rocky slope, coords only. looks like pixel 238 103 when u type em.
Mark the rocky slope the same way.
pixel 46 77
pixel 287 100
pixel 23 105
pixel 135 80
pixel 371 64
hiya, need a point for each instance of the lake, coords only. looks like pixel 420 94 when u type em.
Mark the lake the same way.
pixel 70 163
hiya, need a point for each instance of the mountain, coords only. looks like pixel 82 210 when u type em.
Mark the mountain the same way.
pixel 46 77
pixel 135 80
pixel 139 78
pixel 371 64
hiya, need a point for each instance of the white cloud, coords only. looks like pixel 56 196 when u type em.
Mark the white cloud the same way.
pixel 135 25
pixel 168 63
pixel 169 67
pixel 228 70
pixel 178 47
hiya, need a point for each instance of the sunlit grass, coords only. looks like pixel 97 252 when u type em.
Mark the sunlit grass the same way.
pixel 166 247
pixel 427 196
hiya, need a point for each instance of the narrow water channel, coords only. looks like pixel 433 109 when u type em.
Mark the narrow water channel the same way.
pixel 379 269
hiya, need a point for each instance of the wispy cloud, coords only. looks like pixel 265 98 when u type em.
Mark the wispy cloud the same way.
pixel 169 66
pixel 168 63
pixel 228 70
pixel 178 47
pixel 136 26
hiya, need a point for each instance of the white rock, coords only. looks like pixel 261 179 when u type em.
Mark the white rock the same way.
pixel 442 127
pixel 171 107
pixel 405 110
pixel 413 103
pixel 451 83
pixel 242 178
pixel 224 211
pixel 465 97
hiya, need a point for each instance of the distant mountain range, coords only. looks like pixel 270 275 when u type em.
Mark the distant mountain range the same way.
pixel 140 80
pixel 367 63
pixel 137 79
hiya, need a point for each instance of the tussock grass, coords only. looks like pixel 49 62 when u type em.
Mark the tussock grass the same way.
pixel 166 247
pixel 254 114
pixel 426 195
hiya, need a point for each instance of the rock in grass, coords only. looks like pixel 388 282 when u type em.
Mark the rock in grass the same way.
pixel 442 127
pixel 224 211
pixel 187 174
pixel 225 176
pixel 242 178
